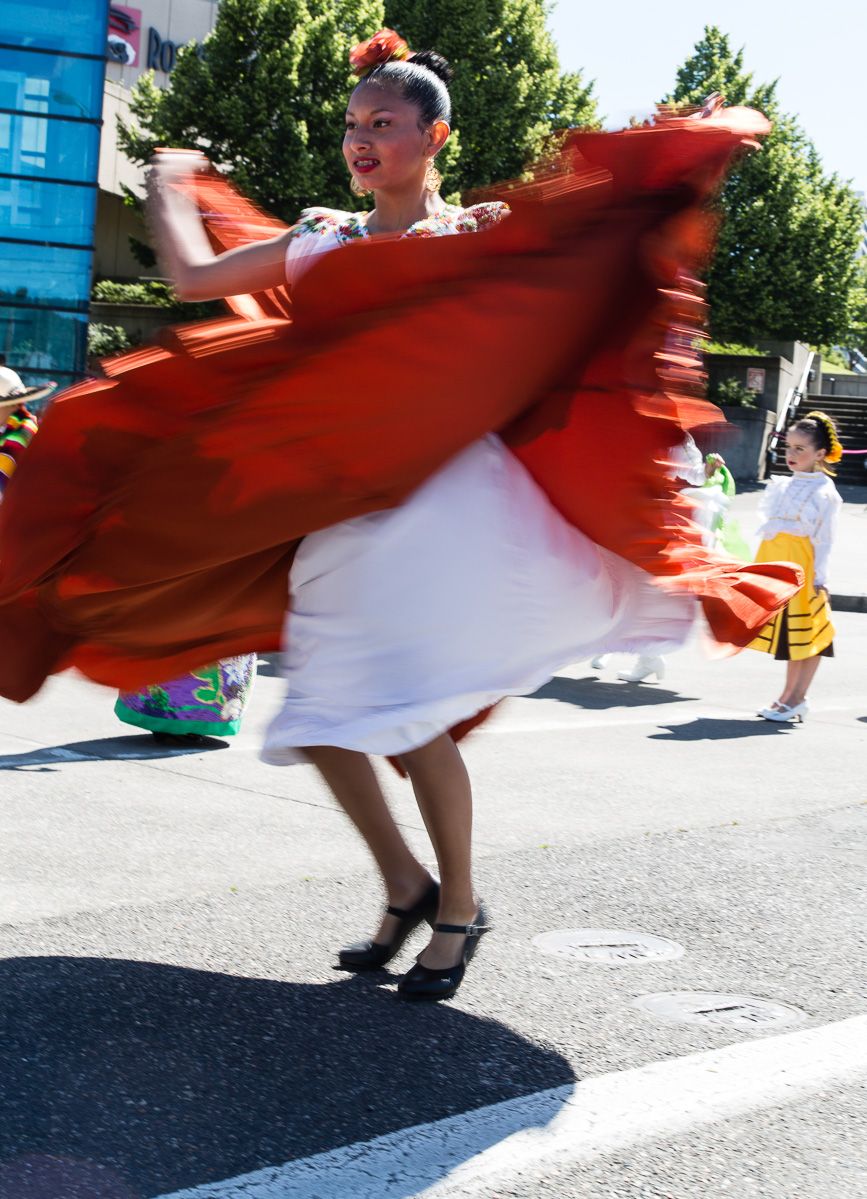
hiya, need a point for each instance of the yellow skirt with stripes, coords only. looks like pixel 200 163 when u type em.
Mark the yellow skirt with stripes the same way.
pixel 803 628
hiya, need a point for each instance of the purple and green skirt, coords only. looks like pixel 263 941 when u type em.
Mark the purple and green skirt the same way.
pixel 209 701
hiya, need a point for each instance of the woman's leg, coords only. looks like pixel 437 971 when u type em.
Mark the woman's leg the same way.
pixel 799 675
pixel 442 789
pixel 356 788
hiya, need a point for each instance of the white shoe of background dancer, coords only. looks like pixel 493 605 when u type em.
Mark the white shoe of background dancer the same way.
pixel 784 714
pixel 644 667
pixel 600 661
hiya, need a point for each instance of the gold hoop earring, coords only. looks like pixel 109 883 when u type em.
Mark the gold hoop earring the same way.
pixel 356 188
pixel 433 180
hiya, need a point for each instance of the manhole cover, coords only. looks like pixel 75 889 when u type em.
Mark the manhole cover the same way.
pixel 734 1011
pixel 607 946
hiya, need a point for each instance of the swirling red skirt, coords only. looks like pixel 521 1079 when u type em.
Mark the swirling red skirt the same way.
pixel 152 522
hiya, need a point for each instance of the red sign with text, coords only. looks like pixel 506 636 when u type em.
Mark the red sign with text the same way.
pixel 124 34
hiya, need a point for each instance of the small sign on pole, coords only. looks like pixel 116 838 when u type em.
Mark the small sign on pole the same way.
pixel 756 379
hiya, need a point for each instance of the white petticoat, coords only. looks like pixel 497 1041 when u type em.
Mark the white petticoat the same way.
pixel 405 622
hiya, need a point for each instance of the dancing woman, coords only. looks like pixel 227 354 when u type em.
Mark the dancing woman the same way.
pixel 404 623
pixel 434 575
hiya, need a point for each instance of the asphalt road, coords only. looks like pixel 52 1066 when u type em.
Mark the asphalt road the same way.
pixel 171 1017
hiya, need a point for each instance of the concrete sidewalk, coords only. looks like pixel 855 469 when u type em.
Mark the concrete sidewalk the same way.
pixel 849 555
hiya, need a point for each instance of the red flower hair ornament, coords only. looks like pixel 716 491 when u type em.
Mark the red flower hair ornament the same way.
pixel 385 46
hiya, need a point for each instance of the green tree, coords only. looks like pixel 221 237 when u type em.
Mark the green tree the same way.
pixel 785 264
pixel 508 93
pixel 264 96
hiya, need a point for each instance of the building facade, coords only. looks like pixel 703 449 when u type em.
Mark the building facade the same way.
pixel 142 37
pixel 66 67
pixel 52 69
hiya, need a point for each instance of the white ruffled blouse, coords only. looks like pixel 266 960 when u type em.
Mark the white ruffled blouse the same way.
pixel 803 504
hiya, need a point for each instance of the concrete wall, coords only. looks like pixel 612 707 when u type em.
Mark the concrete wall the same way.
pixel 746 458
pixel 795 355
pixel 116 222
pixel 742 441
pixel 778 375
pixel 783 363
pixel 842 385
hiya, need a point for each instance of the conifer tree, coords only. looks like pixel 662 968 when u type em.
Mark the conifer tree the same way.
pixel 785 265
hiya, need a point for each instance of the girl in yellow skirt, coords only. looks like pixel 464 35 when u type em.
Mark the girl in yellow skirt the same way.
pixel 799 519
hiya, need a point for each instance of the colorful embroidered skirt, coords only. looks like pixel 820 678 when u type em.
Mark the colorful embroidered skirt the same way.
pixel 206 701
pixel 803 628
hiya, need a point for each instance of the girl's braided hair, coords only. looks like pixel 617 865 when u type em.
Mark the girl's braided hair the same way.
pixel 823 433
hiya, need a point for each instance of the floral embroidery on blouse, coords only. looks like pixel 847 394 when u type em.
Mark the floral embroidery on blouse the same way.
pixel 803 504
pixel 348 226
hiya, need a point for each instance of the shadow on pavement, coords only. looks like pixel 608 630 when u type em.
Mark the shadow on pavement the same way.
pixel 594 695
pixel 126 1080
pixel 705 728
pixel 118 749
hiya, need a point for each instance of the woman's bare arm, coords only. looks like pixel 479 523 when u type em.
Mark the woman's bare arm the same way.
pixel 195 270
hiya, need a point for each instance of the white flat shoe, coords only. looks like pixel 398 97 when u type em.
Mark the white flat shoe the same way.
pixel 642 669
pixel 600 661
pixel 784 714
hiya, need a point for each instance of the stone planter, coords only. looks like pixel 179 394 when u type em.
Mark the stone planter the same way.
pixel 138 321
pixel 746 455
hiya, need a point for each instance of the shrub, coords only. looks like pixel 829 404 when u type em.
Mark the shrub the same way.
pixel 729 347
pixel 152 292
pixel 731 392
pixel 104 340
pixel 155 294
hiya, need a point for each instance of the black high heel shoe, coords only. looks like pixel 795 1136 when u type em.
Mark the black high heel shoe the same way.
pixel 423 983
pixel 371 955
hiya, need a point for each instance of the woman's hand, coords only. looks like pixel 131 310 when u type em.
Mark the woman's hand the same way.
pixel 172 166
pixel 168 167
pixel 188 258
pixel 185 253
pixel 178 162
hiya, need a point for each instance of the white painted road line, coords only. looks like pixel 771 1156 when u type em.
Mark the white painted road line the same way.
pixel 468 1154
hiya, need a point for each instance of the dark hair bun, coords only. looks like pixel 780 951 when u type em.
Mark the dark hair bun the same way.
pixel 433 62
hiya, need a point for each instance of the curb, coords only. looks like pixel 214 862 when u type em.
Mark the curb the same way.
pixel 849 603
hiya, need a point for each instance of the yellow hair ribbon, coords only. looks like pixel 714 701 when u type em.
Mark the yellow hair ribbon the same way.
pixel 835 453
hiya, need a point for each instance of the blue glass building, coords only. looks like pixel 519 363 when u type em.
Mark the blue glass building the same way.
pixel 52 67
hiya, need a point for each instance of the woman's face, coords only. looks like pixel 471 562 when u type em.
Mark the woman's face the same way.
pixel 384 145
